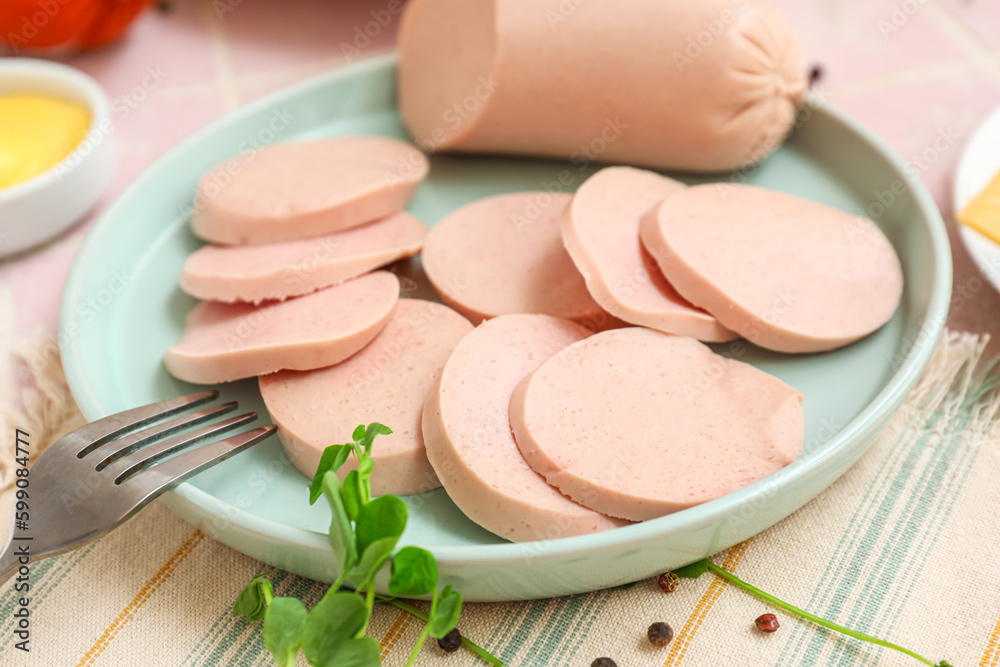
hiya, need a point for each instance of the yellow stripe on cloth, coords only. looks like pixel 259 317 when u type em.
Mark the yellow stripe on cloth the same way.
pixel 687 633
pixel 143 596
pixel 395 632
pixel 992 654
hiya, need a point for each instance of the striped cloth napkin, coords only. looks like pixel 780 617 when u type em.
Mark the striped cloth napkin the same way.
pixel 901 547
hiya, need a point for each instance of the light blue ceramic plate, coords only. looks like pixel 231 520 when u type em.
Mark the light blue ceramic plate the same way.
pixel 257 502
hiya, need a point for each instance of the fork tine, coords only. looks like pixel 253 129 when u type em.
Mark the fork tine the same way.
pixel 129 465
pixel 132 442
pixel 100 432
pixel 161 477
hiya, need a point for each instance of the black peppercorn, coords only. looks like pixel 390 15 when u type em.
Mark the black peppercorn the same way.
pixel 604 662
pixel 659 634
pixel 451 642
pixel 815 74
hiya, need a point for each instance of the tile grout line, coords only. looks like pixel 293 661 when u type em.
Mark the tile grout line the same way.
pixel 968 41
pixel 922 74
pixel 222 57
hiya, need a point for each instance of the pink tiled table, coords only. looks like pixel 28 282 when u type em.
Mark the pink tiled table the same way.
pixel 909 76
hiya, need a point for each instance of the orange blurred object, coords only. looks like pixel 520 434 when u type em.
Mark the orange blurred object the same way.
pixel 65 24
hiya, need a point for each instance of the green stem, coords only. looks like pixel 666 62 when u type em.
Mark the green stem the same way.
pixel 335 586
pixel 370 605
pixel 812 617
pixel 267 596
pixel 419 645
pixel 468 644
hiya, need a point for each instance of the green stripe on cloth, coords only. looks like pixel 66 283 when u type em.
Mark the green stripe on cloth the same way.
pixel 228 631
pixel 952 490
pixel 925 504
pixel 869 549
pixel 48 574
pixel 571 643
pixel 879 505
pixel 835 609
pixel 848 542
pixel 536 611
pixel 931 463
pixel 564 614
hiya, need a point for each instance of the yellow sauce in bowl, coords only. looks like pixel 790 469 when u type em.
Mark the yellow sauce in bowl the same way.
pixel 37 131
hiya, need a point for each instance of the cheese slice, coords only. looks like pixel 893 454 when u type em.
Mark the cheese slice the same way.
pixel 983 212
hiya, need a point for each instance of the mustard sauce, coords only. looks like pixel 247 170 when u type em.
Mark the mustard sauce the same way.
pixel 37 131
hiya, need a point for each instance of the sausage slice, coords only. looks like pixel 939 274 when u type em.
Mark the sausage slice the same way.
pixel 600 229
pixel 386 382
pixel 636 424
pixel 786 273
pixel 292 268
pixel 300 189
pixel 468 437
pixel 503 255
pixel 231 341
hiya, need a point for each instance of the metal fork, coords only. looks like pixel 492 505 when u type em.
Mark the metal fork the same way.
pixel 125 461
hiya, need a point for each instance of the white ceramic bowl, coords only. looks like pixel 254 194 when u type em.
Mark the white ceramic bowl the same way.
pixel 41 207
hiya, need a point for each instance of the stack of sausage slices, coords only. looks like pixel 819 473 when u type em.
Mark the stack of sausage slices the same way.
pixel 585 397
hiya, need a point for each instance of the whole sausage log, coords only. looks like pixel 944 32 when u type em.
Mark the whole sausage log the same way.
pixel 703 86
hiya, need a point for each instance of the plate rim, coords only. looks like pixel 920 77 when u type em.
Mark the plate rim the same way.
pixel 967 181
pixel 861 427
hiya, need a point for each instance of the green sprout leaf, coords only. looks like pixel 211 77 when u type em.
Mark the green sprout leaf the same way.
pixel 342 537
pixel 252 600
pixel 693 570
pixel 372 559
pixel 360 652
pixel 445 615
pixel 414 572
pixel 353 495
pixel 283 625
pixel 625 587
pixel 333 457
pixel 335 619
pixel 365 468
pixel 384 517
pixel 374 429
pixel 364 532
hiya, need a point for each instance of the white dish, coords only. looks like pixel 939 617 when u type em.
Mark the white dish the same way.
pixel 41 207
pixel 979 163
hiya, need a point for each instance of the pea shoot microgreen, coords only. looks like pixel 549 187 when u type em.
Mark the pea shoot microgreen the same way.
pixel 363 533
pixel 700 567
